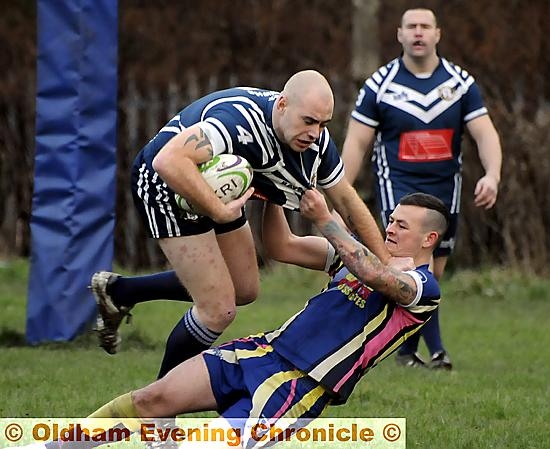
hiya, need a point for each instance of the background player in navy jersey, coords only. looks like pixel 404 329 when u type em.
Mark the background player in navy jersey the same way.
pixel 285 139
pixel 317 357
pixel 414 110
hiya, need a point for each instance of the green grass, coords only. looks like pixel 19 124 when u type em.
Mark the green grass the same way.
pixel 495 324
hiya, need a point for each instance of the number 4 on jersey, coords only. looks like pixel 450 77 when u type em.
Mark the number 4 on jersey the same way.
pixel 244 136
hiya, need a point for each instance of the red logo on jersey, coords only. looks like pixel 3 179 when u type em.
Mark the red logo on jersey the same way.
pixel 259 196
pixel 428 145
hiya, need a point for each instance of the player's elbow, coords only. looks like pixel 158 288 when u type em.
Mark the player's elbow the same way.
pixel 161 164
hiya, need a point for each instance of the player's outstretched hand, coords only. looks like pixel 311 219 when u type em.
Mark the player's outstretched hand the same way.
pixel 314 207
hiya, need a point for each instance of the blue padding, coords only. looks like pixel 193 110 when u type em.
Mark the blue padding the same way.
pixel 73 208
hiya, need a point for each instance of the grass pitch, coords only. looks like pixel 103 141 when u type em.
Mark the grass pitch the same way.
pixel 495 325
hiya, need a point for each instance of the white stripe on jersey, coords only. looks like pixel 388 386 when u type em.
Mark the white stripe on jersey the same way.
pixel 399 90
pixel 380 177
pixel 324 140
pixel 335 177
pixel 171 129
pixel 224 137
pixel 266 132
pixel 267 151
pixel 455 204
pixel 364 119
pixel 460 75
pixel 321 148
pixel 143 193
pixel 389 92
pixel 377 77
pixel 173 126
pixel 291 188
pixel 238 99
pixel 254 115
pixel 169 211
pixel 387 81
pixel 287 176
pixel 221 100
pixel 303 168
pixel 384 180
pixel 475 114
pixel 162 199
pixel 216 139
pixel 372 85
pixel 419 288
pixel 416 111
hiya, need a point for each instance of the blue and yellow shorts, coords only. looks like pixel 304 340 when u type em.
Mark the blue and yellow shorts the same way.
pixel 253 384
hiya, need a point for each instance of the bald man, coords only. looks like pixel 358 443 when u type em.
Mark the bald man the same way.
pixel 284 138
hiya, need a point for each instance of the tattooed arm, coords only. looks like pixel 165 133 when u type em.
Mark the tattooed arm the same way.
pixel 176 163
pixel 358 217
pixel 393 283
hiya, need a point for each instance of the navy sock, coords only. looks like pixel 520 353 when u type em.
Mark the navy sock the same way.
pixel 432 333
pixel 188 338
pixel 131 290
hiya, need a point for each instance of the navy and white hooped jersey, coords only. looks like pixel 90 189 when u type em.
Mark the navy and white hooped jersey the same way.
pixel 419 123
pixel 348 329
pixel 239 121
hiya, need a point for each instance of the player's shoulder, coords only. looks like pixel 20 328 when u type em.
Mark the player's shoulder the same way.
pixel 254 93
pixel 325 142
pixel 430 285
pixel 456 70
pixel 236 95
pixel 243 105
pixel 380 74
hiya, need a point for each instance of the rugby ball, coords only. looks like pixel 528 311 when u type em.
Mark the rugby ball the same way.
pixel 229 176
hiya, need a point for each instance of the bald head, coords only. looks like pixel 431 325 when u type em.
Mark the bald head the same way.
pixel 303 110
pixel 308 85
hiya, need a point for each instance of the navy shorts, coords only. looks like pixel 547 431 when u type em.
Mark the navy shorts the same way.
pixel 252 384
pixel 163 218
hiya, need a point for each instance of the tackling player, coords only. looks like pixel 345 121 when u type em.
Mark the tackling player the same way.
pixel 317 357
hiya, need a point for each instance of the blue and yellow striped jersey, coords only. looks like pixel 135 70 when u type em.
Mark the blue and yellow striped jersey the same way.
pixel 348 328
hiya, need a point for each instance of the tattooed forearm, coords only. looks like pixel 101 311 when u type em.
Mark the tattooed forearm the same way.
pixel 366 266
pixel 354 255
pixel 201 140
pixel 405 293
